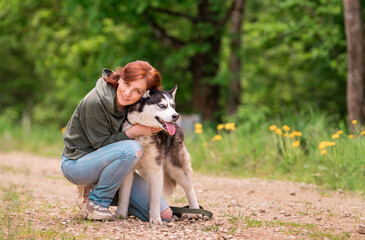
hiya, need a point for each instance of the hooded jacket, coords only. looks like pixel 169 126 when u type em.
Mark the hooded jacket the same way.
pixel 95 123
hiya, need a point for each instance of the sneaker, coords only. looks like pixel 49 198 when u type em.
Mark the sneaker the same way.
pixel 96 212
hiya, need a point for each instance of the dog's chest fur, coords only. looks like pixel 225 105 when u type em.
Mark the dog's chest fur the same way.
pixel 161 148
pixel 152 156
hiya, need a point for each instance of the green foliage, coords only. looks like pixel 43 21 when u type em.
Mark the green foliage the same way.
pixel 293 53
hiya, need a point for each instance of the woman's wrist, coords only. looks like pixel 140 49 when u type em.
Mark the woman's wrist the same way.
pixel 130 133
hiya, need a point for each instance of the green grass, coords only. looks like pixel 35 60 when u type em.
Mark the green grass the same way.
pixel 46 141
pixel 250 150
pixel 259 152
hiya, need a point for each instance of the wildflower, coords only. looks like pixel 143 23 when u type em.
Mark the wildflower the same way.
pixel 335 136
pixel 323 152
pixel 325 144
pixel 362 133
pixel 339 132
pixel 198 125
pixel 285 134
pixel 351 136
pixel 295 143
pixel 230 126
pixel 63 130
pixel 292 134
pixel 198 130
pixel 217 138
pixel 354 122
pixel 295 134
pixel 322 145
pixel 220 126
pixel 286 128
pixel 273 127
pixel 279 132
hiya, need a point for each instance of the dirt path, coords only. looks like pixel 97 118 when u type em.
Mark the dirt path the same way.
pixel 39 202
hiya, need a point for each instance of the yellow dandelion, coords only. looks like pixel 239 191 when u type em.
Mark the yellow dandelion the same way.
pixel 339 132
pixel 362 133
pixel 230 126
pixel 217 138
pixel 198 125
pixel 335 136
pixel 63 130
pixel 323 152
pixel 322 145
pixel 285 134
pixel 293 134
pixel 273 127
pixel 286 128
pixel 299 134
pixel 198 130
pixel 354 122
pixel 325 144
pixel 351 136
pixel 279 132
pixel 295 143
pixel 220 126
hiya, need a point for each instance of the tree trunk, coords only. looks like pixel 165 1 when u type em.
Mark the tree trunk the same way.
pixel 205 94
pixel 235 58
pixel 355 59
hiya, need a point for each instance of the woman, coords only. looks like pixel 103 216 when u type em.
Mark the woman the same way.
pixel 96 150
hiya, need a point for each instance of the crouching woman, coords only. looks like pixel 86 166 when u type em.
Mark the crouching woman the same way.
pixel 99 153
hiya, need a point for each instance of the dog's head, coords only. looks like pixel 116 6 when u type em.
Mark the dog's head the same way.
pixel 156 109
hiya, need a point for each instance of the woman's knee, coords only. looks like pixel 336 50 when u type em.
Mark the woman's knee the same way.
pixel 166 214
pixel 130 148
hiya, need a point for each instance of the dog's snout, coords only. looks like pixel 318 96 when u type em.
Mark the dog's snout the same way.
pixel 175 117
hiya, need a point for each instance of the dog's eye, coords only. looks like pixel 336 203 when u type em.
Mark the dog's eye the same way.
pixel 173 106
pixel 162 106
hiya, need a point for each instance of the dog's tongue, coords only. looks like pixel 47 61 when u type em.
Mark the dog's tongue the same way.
pixel 170 128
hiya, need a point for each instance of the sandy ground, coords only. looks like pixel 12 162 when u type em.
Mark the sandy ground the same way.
pixel 242 208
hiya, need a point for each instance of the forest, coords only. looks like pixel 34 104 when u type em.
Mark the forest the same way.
pixel 242 59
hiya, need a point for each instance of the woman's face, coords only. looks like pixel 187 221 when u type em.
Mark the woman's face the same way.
pixel 129 93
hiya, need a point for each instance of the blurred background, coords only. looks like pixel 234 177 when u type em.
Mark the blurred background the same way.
pixel 251 59
pixel 276 86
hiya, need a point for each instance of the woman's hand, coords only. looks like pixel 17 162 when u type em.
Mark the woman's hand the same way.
pixel 141 130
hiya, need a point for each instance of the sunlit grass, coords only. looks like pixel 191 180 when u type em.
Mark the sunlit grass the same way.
pixel 43 140
pixel 311 148
pixel 316 152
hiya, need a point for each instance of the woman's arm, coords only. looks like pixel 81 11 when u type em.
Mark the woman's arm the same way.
pixel 141 130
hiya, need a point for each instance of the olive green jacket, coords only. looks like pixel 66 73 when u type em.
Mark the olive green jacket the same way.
pixel 95 123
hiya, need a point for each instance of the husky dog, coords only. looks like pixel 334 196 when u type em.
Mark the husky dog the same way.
pixel 165 160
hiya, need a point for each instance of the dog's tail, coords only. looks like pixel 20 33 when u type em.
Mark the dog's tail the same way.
pixel 169 185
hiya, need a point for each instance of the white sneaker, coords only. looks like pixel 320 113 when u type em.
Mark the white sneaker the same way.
pixel 96 212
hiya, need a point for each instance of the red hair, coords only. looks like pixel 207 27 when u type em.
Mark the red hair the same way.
pixel 133 71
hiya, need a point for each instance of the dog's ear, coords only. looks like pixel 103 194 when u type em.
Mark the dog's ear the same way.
pixel 106 72
pixel 173 91
pixel 146 94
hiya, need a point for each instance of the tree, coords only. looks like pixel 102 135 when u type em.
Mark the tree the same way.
pixel 235 62
pixel 355 59
pixel 204 44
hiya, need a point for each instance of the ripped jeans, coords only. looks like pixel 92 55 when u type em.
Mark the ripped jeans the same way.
pixel 105 169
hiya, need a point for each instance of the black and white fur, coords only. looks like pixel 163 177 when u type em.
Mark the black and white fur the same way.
pixel 165 161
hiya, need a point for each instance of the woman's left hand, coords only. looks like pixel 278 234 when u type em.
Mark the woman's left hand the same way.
pixel 141 130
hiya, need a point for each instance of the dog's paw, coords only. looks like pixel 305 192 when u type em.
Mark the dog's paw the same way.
pixel 156 220
pixel 120 214
pixel 192 216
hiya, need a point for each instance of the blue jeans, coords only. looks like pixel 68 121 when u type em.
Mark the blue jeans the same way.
pixel 105 169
